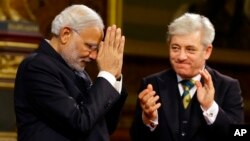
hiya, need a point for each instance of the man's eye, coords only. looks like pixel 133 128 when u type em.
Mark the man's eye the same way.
pixel 191 50
pixel 94 47
pixel 91 47
pixel 175 48
pixel 88 46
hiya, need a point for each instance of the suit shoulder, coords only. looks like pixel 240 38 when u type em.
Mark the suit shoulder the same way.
pixel 37 59
pixel 221 77
pixel 222 80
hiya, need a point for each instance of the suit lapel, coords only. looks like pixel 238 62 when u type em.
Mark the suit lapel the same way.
pixel 168 92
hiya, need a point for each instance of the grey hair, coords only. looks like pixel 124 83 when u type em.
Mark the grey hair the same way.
pixel 77 17
pixel 189 23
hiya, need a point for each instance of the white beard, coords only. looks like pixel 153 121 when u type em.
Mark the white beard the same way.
pixel 70 55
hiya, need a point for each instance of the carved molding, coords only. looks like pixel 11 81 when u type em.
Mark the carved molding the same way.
pixel 9 64
pixel 8 136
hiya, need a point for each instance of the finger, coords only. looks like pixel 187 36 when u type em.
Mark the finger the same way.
pixel 204 76
pixel 204 73
pixel 198 84
pixel 107 36
pixel 209 79
pixel 120 48
pixel 146 98
pixel 117 38
pixel 112 36
pixel 121 45
pixel 145 91
pixel 157 106
pixel 151 101
pixel 150 94
pixel 150 87
pixel 152 108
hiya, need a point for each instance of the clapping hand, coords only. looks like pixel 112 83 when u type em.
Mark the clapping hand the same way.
pixel 205 93
pixel 148 101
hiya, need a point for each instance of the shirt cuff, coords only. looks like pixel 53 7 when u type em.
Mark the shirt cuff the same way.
pixel 152 124
pixel 211 114
pixel 112 80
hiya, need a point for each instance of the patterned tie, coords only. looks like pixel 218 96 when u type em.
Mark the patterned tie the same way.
pixel 186 98
pixel 85 77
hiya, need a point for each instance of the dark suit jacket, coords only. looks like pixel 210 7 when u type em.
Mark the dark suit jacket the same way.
pixel 52 104
pixel 227 96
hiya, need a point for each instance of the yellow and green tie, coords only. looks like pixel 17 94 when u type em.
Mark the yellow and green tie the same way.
pixel 186 98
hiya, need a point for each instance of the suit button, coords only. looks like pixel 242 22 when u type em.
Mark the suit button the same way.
pixel 183 134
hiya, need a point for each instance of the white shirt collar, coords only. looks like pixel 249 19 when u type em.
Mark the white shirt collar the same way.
pixel 195 78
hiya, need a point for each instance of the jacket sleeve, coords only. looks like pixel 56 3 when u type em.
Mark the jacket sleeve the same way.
pixel 139 131
pixel 228 97
pixel 113 115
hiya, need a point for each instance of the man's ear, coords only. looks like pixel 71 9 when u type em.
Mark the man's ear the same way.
pixel 208 51
pixel 65 34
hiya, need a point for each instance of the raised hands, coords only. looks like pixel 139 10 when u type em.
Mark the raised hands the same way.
pixel 148 101
pixel 205 94
pixel 110 54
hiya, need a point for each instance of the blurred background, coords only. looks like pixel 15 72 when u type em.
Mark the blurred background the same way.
pixel 144 23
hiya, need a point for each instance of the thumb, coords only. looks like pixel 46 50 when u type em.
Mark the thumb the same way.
pixel 150 87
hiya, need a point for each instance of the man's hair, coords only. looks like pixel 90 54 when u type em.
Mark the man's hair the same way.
pixel 77 17
pixel 189 23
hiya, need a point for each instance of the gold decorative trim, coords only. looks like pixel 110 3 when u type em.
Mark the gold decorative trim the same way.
pixel 6 85
pixel 8 136
pixel 9 63
pixel 114 12
pixel 7 75
pixel 18 45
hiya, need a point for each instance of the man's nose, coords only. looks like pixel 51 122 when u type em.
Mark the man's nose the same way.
pixel 93 54
pixel 183 54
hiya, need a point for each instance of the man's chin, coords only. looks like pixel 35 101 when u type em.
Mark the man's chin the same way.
pixel 79 67
pixel 184 74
